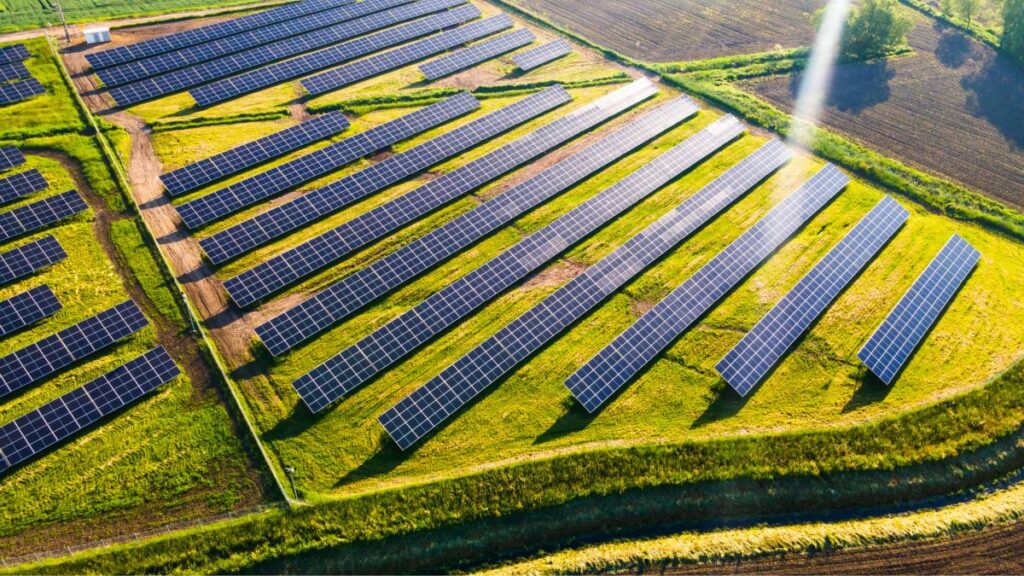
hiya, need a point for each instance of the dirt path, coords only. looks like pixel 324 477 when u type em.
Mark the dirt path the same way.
pixel 989 551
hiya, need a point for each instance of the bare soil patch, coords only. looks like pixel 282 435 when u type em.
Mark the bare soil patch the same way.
pixel 674 30
pixel 953 108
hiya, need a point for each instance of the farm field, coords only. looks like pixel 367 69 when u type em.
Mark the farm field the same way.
pixel 953 107
pixel 27 14
pixel 176 455
pixel 530 414
pixel 677 30
pixel 523 465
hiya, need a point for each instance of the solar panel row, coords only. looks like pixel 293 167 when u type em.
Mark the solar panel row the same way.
pixel 750 361
pixel 476 54
pixel 391 343
pixel 387 61
pixel 56 421
pixel 211 70
pixel 198 174
pixel 620 361
pixel 13 71
pixel 335 303
pixel 40 214
pixel 53 353
pixel 292 215
pixel 280 271
pixel 10 156
pixel 29 258
pixel 20 185
pixel 892 344
pixel 541 55
pixel 15 53
pixel 27 308
pixel 160 63
pixel 21 90
pixel 274 74
pixel 121 54
pixel 323 161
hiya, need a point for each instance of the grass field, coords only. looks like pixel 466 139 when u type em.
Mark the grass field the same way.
pixel 953 107
pixel 530 414
pixel 173 457
pixel 25 14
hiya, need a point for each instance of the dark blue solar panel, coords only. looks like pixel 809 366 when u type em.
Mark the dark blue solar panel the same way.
pixel 341 299
pixel 53 353
pixel 322 162
pixel 41 214
pixel 27 308
pixel 274 74
pixel 750 361
pixel 297 213
pixel 160 63
pixel 476 54
pixel 121 54
pixel 10 156
pixel 387 61
pixel 224 66
pixel 20 185
pixel 20 90
pixel 14 71
pixel 895 340
pixel 391 343
pixel 58 420
pixel 641 343
pixel 542 55
pixel 29 258
pixel 209 170
pixel 15 53
pixel 280 271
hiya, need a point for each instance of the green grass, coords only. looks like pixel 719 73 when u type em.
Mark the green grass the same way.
pixel 26 14
pixel 47 114
pixel 136 254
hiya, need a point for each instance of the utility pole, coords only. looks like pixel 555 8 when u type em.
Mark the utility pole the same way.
pixel 60 11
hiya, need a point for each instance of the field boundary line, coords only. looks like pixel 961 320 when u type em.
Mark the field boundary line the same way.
pixel 207 349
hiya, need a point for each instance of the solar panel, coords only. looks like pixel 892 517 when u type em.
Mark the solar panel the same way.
pixel 292 215
pixel 20 90
pixel 29 258
pixel 160 63
pixel 895 340
pixel 121 54
pixel 54 353
pixel 335 303
pixel 10 156
pixel 620 361
pixel 753 358
pixel 280 271
pixel 27 308
pixel 209 170
pixel 476 54
pixel 323 161
pixel 56 421
pixel 15 53
pixel 201 73
pixel 20 185
pixel 389 344
pixel 13 71
pixel 378 64
pixel 274 74
pixel 40 214
pixel 541 55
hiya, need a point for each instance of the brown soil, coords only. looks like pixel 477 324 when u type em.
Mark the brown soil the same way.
pixel 556 274
pixel 990 551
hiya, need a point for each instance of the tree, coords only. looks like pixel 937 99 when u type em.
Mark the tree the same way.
pixel 968 9
pixel 1013 28
pixel 875 29
pixel 946 7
